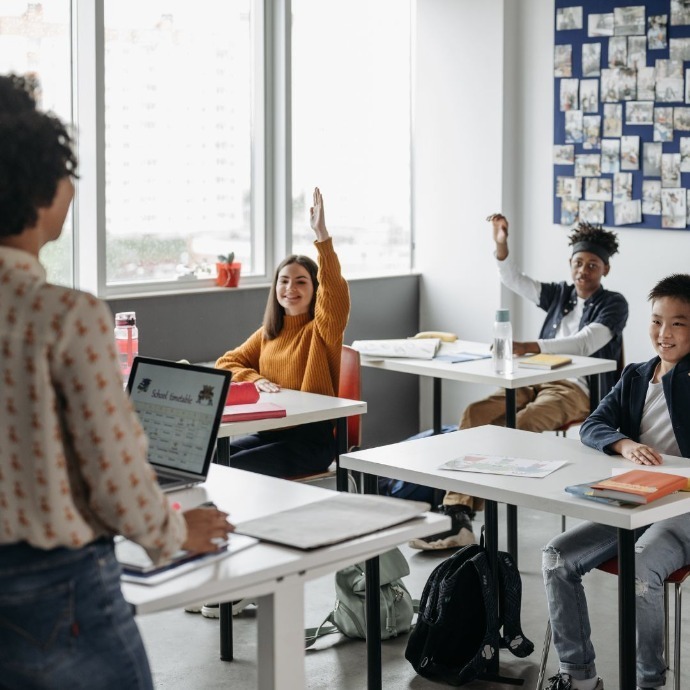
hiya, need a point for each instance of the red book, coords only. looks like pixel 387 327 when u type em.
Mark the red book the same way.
pixel 640 486
pixel 245 413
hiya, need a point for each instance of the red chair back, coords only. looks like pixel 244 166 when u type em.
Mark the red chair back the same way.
pixel 350 387
pixel 678 576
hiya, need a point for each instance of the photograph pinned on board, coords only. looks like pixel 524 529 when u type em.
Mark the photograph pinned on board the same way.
pixel 629 21
pixel 618 84
pixel 670 169
pixel 639 113
pixel 673 208
pixel 588 165
pixel 618 51
pixel 569 187
pixel 681 119
pixel 679 49
pixel 569 211
pixel 563 154
pixel 663 124
pixel 598 189
pixel 680 12
pixel 622 187
pixel 651 159
pixel 569 94
pixel 610 155
pixel 687 207
pixel 684 154
pixel 569 18
pixel 599 25
pixel 651 197
pixel 573 127
pixel 656 32
pixel 637 52
pixel 591 59
pixel 669 81
pixel 563 61
pixel 627 212
pixel 589 95
pixel 687 86
pixel 591 212
pixel 591 125
pixel 613 119
pixel 666 69
pixel 646 83
pixel 630 153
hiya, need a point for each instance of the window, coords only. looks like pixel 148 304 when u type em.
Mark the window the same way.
pixel 351 84
pixel 178 138
pixel 35 39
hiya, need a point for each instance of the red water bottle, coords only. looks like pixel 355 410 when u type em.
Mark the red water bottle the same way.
pixel 127 340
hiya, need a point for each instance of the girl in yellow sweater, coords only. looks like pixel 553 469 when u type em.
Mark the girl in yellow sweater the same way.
pixel 298 347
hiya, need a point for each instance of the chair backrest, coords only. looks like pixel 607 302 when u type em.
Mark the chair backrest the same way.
pixel 350 387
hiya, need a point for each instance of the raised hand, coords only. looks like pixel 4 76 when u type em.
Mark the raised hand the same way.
pixel 500 227
pixel 317 217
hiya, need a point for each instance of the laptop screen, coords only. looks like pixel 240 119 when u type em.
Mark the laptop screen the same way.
pixel 179 406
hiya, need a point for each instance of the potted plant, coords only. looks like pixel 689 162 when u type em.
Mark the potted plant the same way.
pixel 228 270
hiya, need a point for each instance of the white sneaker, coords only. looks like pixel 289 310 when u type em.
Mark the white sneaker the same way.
pixel 194 608
pixel 213 610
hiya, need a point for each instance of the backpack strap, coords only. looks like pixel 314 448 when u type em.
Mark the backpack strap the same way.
pixel 327 627
pixel 510 599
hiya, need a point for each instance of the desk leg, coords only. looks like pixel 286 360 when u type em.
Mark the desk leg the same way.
pixel 280 618
pixel 594 391
pixel 626 609
pixel 226 653
pixel 511 516
pixel 373 606
pixel 437 405
pixel 223 451
pixel 341 440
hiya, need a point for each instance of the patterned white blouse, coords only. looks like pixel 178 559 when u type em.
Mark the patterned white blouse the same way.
pixel 73 461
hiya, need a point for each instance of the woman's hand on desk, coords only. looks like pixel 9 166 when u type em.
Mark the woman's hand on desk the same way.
pixel 639 453
pixel 266 386
pixel 206 528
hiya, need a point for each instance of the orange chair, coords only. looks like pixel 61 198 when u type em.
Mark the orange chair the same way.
pixel 620 365
pixel 349 387
pixel 676 578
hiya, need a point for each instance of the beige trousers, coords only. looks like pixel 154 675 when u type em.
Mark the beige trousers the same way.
pixel 539 408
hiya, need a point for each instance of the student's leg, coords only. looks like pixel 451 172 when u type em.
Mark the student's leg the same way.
pixel 662 549
pixel 565 560
pixel 555 404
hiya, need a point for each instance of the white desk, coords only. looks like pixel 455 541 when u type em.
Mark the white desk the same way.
pixel 418 461
pixel 481 371
pixel 275 575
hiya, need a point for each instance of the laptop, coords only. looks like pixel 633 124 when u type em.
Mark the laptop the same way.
pixel 180 407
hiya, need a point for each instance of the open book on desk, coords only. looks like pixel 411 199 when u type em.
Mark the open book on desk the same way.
pixel 331 520
pixel 544 361
pixel 413 348
pixel 138 567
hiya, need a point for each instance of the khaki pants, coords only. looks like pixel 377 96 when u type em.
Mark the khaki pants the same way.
pixel 539 408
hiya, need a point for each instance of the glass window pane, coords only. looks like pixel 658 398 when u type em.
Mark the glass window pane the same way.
pixel 178 138
pixel 35 39
pixel 351 129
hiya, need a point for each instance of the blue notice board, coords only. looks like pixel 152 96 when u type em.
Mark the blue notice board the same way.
pixel 622 113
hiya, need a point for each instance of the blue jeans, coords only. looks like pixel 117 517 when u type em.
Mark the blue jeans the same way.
pixel 64 622
pixel 659 550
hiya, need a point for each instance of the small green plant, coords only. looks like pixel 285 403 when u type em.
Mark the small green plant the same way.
pixel 226 258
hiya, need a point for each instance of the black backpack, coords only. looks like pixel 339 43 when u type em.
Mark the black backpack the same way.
pixel 458 631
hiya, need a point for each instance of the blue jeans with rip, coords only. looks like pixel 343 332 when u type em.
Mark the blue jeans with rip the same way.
pixel 64 622
pixel 660 549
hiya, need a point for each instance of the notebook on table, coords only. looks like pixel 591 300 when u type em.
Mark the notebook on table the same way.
pixel 180 408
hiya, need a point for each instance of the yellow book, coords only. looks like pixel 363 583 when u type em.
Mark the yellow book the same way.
pixel 544 361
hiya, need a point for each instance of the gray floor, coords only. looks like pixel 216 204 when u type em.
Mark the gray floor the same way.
pixel 183 648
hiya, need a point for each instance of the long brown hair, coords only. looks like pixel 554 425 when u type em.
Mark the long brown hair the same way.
pixel 275 314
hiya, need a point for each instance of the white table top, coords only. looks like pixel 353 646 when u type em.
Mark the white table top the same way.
pixel 255 570
pixel 302 408
pixel 418 461
pixel 481 370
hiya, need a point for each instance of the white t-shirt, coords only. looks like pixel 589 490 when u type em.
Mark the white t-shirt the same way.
pixel 656 429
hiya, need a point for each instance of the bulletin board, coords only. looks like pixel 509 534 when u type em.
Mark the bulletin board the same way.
pixel 621 154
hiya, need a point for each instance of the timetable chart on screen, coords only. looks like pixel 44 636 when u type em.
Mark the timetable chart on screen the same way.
pixel 177 410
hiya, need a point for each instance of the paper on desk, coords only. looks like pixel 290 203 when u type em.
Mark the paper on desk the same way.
pixel 498 464
pixel 336 518
pixel 453 358
pixel 424 348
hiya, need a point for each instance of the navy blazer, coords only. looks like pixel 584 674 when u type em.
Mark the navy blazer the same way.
pixel 619 414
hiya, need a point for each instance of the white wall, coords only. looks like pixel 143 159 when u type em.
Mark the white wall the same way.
pixel 483 143
pixel 458 162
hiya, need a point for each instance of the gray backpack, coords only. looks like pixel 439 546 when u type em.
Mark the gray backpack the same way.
pixel 348 615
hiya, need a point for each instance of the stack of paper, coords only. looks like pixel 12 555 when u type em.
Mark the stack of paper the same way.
pixel 424 348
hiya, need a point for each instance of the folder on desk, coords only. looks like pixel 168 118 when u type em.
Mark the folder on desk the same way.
pixel 246 413
pixel 331 520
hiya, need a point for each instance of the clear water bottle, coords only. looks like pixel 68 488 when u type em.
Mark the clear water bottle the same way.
pixel 127 340
pixel 503 343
